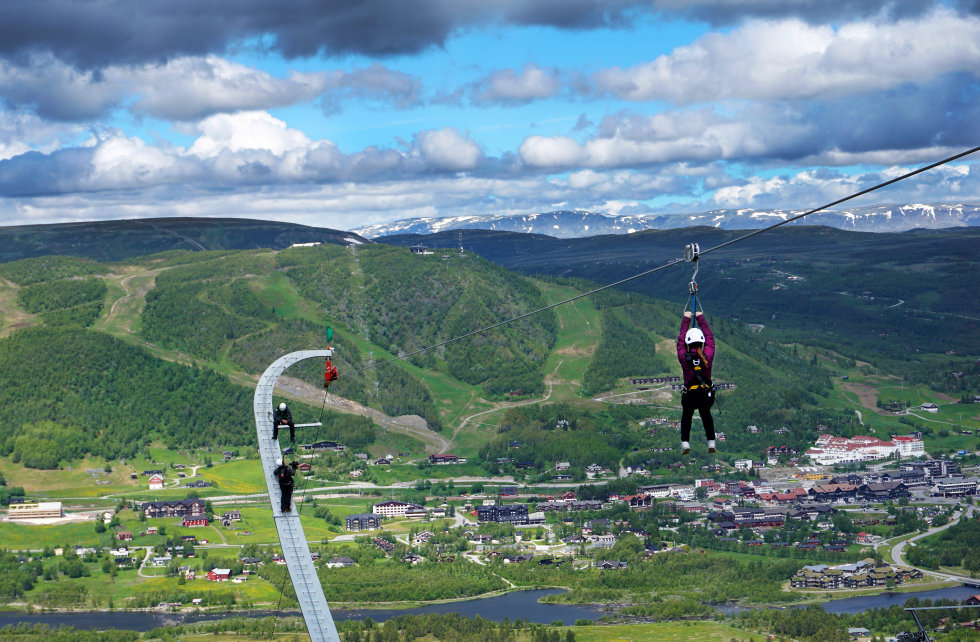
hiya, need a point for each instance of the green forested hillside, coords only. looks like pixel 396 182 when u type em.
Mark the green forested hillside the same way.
pixel 403 302
pixel 110 398
pixel 234 312
pixel 878 297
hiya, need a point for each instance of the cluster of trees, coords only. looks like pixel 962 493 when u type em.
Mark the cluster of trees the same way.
pixel 181 317
pixel 955 546
pixel 46 268
pixel 953 376
pixel 702 577
pixel 625 349
pixel 52 290
pixel 450 627
pixel 813 624
pixel 60 294
pixel 548 433
pixel 109 398
pixel 6 492
pixel 430 580
pixel 16 579
pixel 25 631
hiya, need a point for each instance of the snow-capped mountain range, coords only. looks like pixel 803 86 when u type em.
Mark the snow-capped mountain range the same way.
pixel 578 223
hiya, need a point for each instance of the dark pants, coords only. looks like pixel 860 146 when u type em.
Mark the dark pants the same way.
pixel 292 431
pixel 287 495
pixel 700 400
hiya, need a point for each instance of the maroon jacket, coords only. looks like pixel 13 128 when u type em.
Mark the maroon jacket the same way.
pixel 709 350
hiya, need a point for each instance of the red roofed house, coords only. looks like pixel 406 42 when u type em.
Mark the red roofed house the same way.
pixel 219 574
pixel 830 450
pixel 638 501
pixel 124 536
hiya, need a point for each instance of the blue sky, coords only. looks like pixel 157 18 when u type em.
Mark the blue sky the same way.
pixel 339 115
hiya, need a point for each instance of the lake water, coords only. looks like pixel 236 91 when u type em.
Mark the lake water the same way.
pixel 863 603
pixel 514 606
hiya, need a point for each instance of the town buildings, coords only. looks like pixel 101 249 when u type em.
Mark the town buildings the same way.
pixel 35 510
pixel 392 508
pixel 363 522
pixel 830 450
pixel 511 513
pixel 191 506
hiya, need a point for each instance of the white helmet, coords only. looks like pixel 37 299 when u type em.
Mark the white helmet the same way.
pixel 279 461
pixel 694 335
pixel 282 406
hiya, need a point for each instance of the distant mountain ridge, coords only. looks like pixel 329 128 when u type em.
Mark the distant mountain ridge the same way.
pixel 121 239
pixel 578 223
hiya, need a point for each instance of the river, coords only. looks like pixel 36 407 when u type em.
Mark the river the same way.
pixel 514 606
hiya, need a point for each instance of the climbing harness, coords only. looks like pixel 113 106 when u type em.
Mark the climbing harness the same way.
pixel 331 372
pixel 691 255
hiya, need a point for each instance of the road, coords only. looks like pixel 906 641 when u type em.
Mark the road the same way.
pixel 900 548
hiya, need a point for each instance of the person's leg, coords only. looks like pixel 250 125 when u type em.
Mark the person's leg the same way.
pixel 709 423
pixel 286 497
pixel 687 413
pixel 275 430
pixel 292 433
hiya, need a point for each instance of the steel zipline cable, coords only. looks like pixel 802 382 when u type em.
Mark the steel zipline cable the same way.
pixel 672 263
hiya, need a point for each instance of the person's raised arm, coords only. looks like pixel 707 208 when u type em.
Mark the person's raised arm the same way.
pixel 685 324
pixel 709 337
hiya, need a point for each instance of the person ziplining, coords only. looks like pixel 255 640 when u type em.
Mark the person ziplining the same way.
pixel 696 352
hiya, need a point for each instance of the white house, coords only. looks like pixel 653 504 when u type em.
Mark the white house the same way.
pixel 743 464
pixel 156 482
pixel 392 508
pixel 909 446
pixel 832 450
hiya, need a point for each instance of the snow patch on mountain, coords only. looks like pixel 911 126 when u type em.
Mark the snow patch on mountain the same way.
pixel 578 223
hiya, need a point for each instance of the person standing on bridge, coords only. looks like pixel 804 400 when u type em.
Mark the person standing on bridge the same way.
pixel 281 416
pixel 284 475
pixel 696 351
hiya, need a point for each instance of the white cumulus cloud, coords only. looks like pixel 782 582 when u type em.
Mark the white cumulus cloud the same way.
pixel 532 82
pixel 448 149
pixel 770 60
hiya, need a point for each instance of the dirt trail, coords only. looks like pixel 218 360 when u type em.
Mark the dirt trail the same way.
pixel 11 316
pixel 133 293
pixel 867 395
pixel 548 380
pixel 411 425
